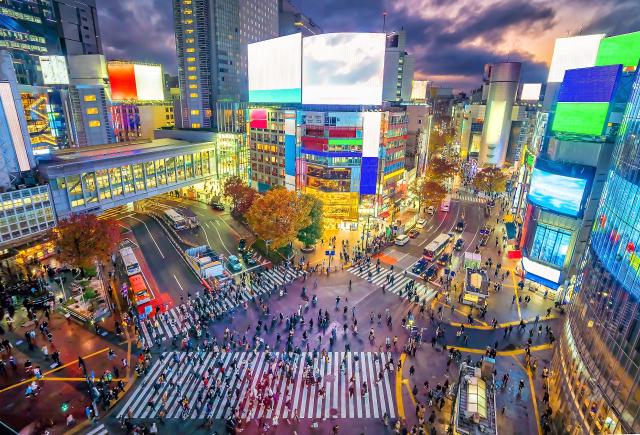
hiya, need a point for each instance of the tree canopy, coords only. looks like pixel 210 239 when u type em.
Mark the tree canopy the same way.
pixel 241 195
pixel 82 239
pixel 439 169
pixel 279 215
pixel 490 180
pixel 310 234
pixel 429 193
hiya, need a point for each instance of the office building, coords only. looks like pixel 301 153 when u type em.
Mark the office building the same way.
pixel 292 20
pixel 78 26
pixel 211 43
pixel 503 85
pixel 398 68
pixel 139 121
pixel 420 90
pixel 418 119
pixel 91 109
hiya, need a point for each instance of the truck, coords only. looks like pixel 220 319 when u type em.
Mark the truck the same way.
pixel 205 261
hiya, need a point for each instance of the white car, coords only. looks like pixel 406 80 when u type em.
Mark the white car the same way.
pixel 420 223
pixel 402 240
pixel 431 210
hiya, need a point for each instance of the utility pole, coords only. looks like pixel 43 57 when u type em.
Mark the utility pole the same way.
pixel 384 21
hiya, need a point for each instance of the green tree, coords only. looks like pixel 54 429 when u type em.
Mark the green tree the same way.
pixel 241 195
pixel 310 234
pixel 82 239
pixel 429 193
pixel 279 215
pixel 490 180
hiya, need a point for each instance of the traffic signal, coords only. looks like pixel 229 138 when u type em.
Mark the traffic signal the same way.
pixel 64 407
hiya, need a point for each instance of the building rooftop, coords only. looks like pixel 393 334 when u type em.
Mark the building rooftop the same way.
pixel 476 410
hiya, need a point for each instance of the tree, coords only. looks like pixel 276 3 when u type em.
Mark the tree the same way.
pixel 429 192
pixel 439 169
pixel 241 195
pixel 311 233
pixel 279 215
pixel 82 239
pixel 490 180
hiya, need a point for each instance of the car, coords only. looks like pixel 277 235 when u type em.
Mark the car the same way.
pixel 460 226
pixel 242 245
pixel 430 272
pixel 402 240
pixel 249 259
pixel 217 206
pixel 459 244
pixel 420 223
pixel 420 266
pixel 485 231
pixel 444 260
pixel 413 233
pixel 431 210
pixel 484 240
pixel 233 264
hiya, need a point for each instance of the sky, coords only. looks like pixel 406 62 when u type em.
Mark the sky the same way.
pixel 451 39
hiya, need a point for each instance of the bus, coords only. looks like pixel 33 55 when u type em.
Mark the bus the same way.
pixel 130 261
pixel 446 203
pixel 175 219
pixel 435 248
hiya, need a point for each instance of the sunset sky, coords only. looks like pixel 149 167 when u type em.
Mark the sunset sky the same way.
pixel 451 39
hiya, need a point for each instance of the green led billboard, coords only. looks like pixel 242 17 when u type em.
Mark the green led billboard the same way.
pixel 621 49
pixel 581 118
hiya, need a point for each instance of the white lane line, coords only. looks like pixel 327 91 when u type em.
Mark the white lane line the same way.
pixel 179 285
pixel 152 238
pixel 221 241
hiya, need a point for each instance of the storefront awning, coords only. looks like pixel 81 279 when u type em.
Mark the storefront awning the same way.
pixel 545 282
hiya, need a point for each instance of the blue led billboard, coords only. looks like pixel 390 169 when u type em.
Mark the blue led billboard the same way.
pixel 557 192
pixel 369 176
pixel 589 85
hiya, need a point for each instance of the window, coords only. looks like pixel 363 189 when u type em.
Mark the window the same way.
pixel 194 95
pixel 192 77
pixel 195 112
pixel 195 125
pixel 189 40
pixel 89 98
pixel 191 50
pixel 188 11
pixel 550 245
pixel 189 31
pixel 189 21
pixel 92 111
pixel 191 59
pixel 191 68
pixel 94 123
pixel 193 86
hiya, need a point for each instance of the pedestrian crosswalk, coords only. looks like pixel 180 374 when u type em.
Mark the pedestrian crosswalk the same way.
pixel 255 385
pixel 398 285
pixel 170 323
pixel 97 430
pixel 468 197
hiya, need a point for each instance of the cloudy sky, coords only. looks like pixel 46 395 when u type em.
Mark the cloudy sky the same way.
pixel 451 39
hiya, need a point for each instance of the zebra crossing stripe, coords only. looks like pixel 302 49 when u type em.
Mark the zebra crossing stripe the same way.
pixel 98 430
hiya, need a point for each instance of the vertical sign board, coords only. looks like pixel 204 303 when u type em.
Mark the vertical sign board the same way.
pixel 371 122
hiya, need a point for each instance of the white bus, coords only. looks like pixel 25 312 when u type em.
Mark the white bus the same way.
pixel 130 261
pixel 175 219
pixel 435 248
pixel 446 203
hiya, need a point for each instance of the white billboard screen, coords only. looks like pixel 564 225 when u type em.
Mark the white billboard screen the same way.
pixel 54 70
pixel 371 133
pixel 149 86
pixel 275 70
pixel 419 89
pixel 343 68
pixel 531 91
pixel 573 52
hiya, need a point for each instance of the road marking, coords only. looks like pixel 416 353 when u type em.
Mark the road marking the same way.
pixel 222 241
pixel 533 394
pixel 399 388
pixel 179 285
pixel 152 238
pixel 512 353
pixel 515 291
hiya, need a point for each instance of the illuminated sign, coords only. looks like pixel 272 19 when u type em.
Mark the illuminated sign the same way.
pixel 581 118
pixel 371 133
pixel 589 85
pixel 573 52
pixel 557 192
pixel 149 84
pixel 54 70
pixel 620 49
pixel 275 70
pixel 135 82
pixel 541 270
pixel 11 115
pixel 123 81
pixel 531 91
pixel 343 68
pixel 419 89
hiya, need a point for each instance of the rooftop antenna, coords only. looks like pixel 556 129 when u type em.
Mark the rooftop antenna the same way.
pixel 384 21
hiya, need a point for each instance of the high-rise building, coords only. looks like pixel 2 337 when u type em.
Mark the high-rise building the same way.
pixel 503 85
pixel 211 42
pixel 78 26
pixel 291 20
pixel 398 68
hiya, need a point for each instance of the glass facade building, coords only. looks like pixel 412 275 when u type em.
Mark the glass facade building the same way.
pixel 25 213
pixel 596 367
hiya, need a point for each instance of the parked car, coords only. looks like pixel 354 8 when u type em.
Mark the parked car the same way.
pixel 420 266
pixel 413 233
pixel 217 206
pixel 430 272
pixel 485 231
pixel 420 223
pixel 402 240
pixel 459 244
pixel 233 264
pixel 242 245
pixel 444 260
pixel 431 210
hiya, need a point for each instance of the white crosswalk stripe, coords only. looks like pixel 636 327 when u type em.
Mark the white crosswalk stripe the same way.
pixel 468 197
pixel 168 324
pixel 98 430
pixel 179 376
pixel 399 281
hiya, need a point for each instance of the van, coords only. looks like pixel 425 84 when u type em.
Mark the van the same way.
pixel 402 240
pixel 420 223
pixel 431 210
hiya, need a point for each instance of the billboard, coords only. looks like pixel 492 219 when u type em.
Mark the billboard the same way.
pixel 343 68
pixel 581 118
pixel 54 70
pixel 620 49
pixel 556 192
pixel 275 70
pixel 135 82
pixel 531 91
pixel 573 52
pixel 419 89
pixel 589 85
pixel 541 270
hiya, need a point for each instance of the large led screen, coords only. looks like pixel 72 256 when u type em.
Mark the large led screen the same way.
pixel 531 91
pixel 589 85
pixel 557 192
pixel 343 68
pixel 621 49
pixel 573 52
pixel 275 70
pixel 580 118
pixel 54 70
pixel 123 81
pixel 149 86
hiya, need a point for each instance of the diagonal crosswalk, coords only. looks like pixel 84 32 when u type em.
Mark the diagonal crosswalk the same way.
pixel 170 323
pixel 400 281
pixel 260 385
